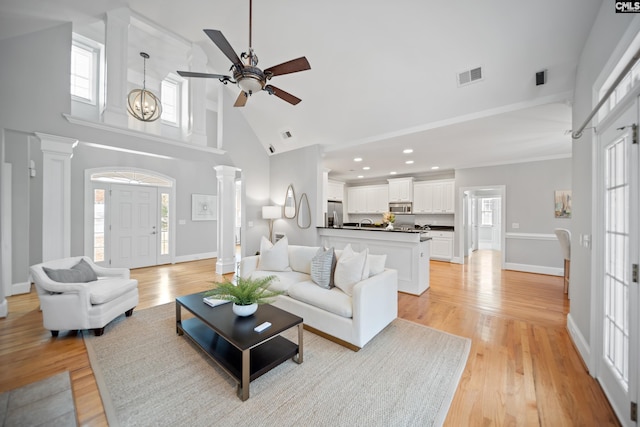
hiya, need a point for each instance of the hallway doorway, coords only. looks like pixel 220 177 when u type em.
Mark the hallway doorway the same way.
pixel 483 216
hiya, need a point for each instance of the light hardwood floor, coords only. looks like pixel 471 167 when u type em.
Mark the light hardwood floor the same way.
pixel 522 370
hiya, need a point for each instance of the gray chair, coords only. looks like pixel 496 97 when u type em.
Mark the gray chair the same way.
pixel 564 237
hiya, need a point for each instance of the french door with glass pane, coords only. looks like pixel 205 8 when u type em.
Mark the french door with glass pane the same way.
pixel 618 363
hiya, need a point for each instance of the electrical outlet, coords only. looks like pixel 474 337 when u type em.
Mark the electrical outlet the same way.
pixel 515 225
pixel 250 224
pixel 181 222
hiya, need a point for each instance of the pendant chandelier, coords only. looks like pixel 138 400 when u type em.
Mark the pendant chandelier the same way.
pixel 141 103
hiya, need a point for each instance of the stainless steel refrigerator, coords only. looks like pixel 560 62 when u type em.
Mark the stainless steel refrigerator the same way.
pixel 334 214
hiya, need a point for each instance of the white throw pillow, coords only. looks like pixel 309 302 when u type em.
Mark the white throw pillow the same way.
pixel 376 264
pixel 350 269
pixel 274 257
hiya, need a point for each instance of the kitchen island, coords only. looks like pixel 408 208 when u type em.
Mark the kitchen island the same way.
pixel 408 252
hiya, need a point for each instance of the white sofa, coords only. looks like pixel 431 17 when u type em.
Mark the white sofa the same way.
pixel 351 320
pixel 80 304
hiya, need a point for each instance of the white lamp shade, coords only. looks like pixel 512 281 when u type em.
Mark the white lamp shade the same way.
pixel 271 212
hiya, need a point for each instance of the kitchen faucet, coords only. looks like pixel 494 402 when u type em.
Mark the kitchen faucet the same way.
pixel 363 220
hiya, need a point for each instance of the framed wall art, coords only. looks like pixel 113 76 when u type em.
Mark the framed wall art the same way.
pixel 203 207
pixel 562 203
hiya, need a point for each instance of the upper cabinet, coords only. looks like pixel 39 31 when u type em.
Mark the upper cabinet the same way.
pixel 434 197
pixel 367 199
pixel 335 191
pixel 400 190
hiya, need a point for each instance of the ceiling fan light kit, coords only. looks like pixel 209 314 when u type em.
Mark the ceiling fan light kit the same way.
pixel 249 78
pixel 142 103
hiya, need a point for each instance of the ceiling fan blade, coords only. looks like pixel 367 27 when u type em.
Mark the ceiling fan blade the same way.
pixel 203 75
pixel 293 66
pixel 282 94
pixel 241 100
pixel 219 39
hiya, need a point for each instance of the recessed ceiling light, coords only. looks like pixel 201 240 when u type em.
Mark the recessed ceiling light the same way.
pixel 393 173
pixel 366 168
pixel 360 176
pixel 408 151
pixel 409 162
pixel 357 159
pixel 435 167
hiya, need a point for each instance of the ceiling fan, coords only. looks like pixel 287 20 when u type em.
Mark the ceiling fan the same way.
pixel 249 77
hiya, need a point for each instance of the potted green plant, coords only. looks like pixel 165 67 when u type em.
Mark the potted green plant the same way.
pixel 245 294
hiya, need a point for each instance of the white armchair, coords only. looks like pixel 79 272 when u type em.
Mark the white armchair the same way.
pixel 87 304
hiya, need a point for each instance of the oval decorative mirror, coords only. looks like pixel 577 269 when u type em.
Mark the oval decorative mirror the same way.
pixel 304 212
pixel 290 203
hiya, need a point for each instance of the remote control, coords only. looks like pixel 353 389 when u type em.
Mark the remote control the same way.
pixel 262 327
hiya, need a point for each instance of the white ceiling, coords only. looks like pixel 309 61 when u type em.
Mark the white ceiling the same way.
pixel 383 75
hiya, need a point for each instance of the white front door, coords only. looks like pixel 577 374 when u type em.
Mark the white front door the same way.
pixel 134 226
pixel 618 364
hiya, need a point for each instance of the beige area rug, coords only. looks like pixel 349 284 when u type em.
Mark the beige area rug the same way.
pixel 148 375
pixel 48 402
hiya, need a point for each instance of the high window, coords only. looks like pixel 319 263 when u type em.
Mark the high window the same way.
pixel 85 69
pixel 170 94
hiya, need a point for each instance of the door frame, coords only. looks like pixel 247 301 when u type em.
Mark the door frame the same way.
pixel 501 190
pixel 609 124
pixel 88 208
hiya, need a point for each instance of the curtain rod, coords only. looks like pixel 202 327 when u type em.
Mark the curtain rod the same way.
pixel 578 134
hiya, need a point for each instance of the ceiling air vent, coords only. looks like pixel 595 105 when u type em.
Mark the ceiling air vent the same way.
pixel 469 76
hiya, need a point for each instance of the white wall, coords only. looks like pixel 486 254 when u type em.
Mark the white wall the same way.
pixel 302 169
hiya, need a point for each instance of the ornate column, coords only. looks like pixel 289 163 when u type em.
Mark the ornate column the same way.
pixel 226 177
pixel 117 43
pixel 56 195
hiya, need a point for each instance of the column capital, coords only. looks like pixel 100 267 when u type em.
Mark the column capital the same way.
pixel 223 170
pixel 56 144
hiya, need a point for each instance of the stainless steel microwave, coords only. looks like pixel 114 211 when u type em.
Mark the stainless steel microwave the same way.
pixel 400 208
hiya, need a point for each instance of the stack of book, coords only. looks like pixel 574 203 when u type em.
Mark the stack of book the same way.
pixel 213 302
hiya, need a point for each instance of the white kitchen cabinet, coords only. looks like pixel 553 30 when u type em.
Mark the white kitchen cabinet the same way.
pixel 422 198
pixel 441 244
pixel 400 190
pixel 434 197
pixel 356 200
pixel 367 199
pixel 377 199
pixel 335 191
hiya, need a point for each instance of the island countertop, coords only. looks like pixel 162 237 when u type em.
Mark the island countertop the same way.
pixel 395 234
pixel 408 252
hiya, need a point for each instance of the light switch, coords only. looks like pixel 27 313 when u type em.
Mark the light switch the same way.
pixel 515 225
pixel 250 224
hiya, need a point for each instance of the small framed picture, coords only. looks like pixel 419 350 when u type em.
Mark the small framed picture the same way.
pixel 203 207
pixel 562 203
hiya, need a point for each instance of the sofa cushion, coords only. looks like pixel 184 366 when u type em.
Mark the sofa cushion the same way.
pixel 332 300
pixel 283 279
pixel 300 257
pixel 274 257
pixel 351 268
pixel 104 290
pixel 79 273
pixel 376 263
pixel 322 267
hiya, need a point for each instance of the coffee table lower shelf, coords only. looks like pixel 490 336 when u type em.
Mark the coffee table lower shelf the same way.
pixel 263 357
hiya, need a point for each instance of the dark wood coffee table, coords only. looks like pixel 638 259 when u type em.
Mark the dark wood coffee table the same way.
pixel 233 344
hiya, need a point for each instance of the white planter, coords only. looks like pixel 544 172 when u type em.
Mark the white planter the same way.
pixel 244 310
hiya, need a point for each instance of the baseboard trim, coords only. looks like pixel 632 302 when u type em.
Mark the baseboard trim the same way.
pixel 194 257
pixel 538 269
pixel 20 288
pixel 579 342
pixel 4 308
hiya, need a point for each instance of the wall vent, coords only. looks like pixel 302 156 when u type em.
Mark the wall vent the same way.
pixel 470 76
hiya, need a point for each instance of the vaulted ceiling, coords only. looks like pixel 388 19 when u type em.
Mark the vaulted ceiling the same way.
pixel 383 74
